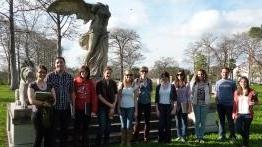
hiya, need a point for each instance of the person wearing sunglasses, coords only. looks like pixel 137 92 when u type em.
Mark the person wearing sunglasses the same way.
pixel 144 85
pixel 183 104
pixel 127 106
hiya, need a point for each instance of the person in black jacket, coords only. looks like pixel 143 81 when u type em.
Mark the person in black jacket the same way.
pixel 165 107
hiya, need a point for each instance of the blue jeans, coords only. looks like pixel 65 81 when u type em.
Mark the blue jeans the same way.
pixel 126 117
pixel 104 126
pixel 225 111
pixel 200 120
pixel 181 123
pixel 243 123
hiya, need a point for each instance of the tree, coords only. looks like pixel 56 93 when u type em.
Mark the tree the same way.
pixel 64 26
pixel 125 48
pixel 164 64
pixel 201 61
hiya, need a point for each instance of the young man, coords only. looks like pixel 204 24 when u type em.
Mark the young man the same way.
pixel 63 84
pixel 224 98
pixel 144 85
pixel 107 97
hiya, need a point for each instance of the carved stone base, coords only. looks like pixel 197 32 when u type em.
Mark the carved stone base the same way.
pixel 20 130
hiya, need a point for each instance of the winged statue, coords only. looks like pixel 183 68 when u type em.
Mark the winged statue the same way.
pixel 95 41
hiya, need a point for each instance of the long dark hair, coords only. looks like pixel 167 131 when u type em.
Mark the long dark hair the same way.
pixel 205 75
pixel 240 89
pixel 183 79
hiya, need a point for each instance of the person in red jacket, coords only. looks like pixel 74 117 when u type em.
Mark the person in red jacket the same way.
pixel 244 100
pixel 85 105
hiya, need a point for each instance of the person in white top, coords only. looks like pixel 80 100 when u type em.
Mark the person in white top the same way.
pixel 244 100
pixel 165 99
pixel 127 106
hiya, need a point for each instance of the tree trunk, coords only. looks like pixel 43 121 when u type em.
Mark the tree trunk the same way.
pixel 121 64
pixel 59 36
pixel 13 69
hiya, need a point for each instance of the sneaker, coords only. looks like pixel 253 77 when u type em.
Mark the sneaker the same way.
pixel 183 140
pixel 178 139
pixel 233 140
pixel 221 138
pixel 201 141
pixel 197 140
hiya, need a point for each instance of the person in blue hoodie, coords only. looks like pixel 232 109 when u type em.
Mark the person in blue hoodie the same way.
pixel 225 88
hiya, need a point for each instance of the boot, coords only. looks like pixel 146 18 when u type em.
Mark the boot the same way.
pixel 128 138
pixel 123 137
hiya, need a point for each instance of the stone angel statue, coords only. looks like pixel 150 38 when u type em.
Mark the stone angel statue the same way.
pixel 95 41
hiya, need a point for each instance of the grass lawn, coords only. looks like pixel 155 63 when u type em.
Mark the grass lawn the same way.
pixel 7 96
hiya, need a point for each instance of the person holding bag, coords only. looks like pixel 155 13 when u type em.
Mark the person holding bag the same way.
pixel 183 104
pixel 42 97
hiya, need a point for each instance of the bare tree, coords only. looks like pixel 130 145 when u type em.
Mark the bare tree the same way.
pixel 125 48
pixel 64 26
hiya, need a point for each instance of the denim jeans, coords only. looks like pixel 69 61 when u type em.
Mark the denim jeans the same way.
pixel 225 111
pixel 243 123
pixel 200 120
pixel 146 109
pixel 181 123
pixel 104 126
pixel 164 123
pixel 126 117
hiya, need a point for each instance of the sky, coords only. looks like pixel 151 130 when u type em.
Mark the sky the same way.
pixel 168 27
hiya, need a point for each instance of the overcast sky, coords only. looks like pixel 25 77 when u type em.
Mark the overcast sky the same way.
pixel 167 27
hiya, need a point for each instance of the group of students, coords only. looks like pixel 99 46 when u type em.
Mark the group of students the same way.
pixel 82 98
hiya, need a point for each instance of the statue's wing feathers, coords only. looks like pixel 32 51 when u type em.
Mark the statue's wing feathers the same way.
pixel 69 7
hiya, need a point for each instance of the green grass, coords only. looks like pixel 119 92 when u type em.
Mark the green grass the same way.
pixel 7 96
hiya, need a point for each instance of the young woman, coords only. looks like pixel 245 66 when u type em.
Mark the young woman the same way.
pixel 127 107
pixel 201 90
pixel 85 105
pixel 244 100
pixel 42 108
pixel 165 106
pixel 183 104
pixel 144 85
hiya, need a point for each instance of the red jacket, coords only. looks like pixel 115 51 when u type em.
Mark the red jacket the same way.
pixel 251 97
pixel 85 94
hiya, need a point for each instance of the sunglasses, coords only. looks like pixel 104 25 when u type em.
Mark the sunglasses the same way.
pixel 129 75
pixel 144 71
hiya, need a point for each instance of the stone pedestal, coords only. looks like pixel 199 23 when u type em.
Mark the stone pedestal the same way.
pixel 20 130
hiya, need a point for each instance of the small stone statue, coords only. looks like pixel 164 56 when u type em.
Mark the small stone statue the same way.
pixel 27 76
pixel 95 41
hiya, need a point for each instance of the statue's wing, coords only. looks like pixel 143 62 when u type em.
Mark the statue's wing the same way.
pixel 69 7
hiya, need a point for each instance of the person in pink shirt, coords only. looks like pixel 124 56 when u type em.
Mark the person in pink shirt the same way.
pixel 244 100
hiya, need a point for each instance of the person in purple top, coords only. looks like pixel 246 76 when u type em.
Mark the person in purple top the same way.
pixel 183 98
pixel 225 88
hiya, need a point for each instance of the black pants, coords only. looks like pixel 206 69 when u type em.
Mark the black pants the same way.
pixel 243 123
pixel 146 109
pixel 81 125
pixel 164 131
pixel 41 132
pixel 225 111
pixel 62 118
